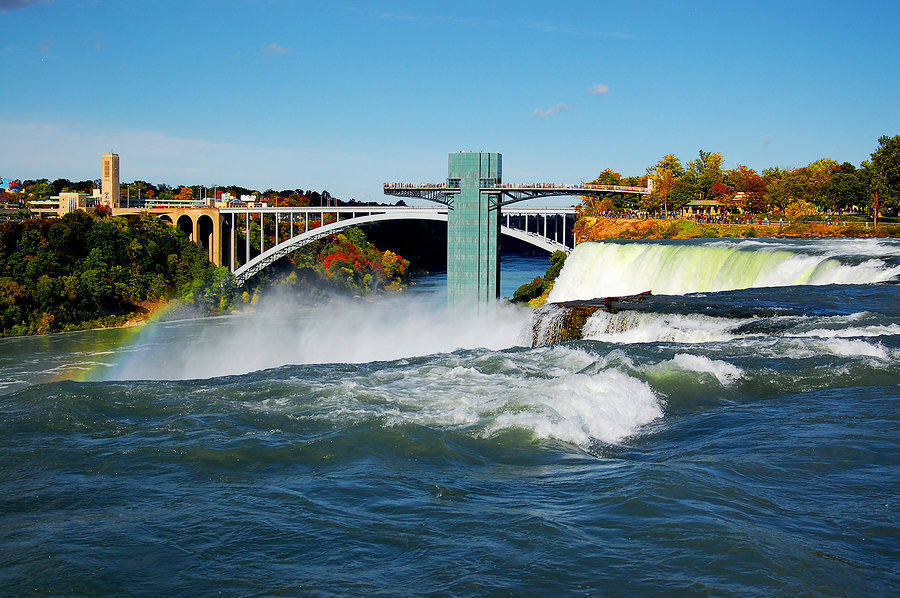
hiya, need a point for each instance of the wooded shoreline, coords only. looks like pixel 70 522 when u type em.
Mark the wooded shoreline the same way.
pixel 602 228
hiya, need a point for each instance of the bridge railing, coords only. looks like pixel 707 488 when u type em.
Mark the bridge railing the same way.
pixel 526 187
pixel 417 186
pixel 583 186
pixel 539 211
pixel 326 209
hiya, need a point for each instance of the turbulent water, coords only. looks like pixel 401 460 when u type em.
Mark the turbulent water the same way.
pixel 711 440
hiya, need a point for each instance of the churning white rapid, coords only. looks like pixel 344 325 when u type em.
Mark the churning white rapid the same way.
pixel 610 269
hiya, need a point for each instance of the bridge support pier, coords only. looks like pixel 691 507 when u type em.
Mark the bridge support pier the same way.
pixel 473 251
pixel 232 248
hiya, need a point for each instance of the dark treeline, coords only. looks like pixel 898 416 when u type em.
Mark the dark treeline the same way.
pixel 88 269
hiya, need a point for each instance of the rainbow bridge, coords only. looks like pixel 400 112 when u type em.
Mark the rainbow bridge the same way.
pixel 474 201
pixel 548 228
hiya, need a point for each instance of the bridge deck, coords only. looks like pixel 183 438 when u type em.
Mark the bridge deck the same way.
pixel 514 192
pixel 576 189
pixel 351 210
pixel 326 209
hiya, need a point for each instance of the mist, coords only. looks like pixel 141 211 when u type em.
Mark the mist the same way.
pixel 281 330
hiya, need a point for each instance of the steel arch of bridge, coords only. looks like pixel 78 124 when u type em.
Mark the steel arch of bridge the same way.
pixel 372 215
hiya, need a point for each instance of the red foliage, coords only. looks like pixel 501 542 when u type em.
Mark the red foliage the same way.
pixel 718 189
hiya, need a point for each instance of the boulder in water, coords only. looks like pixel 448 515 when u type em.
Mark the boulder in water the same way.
pixel 564 321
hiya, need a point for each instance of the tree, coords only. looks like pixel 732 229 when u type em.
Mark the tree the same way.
pixel 607 205
pixel 608 177
pixel 185 194
pixel 39 190
pixel 752 187
pixel 708 170
pixel 844 190
pixel 817 176
pixel 884 175
pixel 665 176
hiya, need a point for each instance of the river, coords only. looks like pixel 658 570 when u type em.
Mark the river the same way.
pixel 735 434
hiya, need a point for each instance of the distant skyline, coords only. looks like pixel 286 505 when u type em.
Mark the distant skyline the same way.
pixel 346 95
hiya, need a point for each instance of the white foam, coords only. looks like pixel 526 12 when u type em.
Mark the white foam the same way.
pixel 649 327
pixel 608 269
pixel 608 406
pixel 858 348
pixel 726 373
pixel 542 391
pixel 862 331
pixel 798 347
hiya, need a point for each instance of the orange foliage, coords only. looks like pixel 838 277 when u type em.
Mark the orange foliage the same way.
pixel 185 194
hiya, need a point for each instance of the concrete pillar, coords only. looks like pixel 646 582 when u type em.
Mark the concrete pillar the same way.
pixel 195 228
pixel 247 237
pixel 215 243
pixel 231 245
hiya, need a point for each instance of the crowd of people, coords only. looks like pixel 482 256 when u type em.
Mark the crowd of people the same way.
pixel 622 188
pixel 415 186
pixel 737 219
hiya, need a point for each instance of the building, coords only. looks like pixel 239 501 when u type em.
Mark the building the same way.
pixel 227 199
pixel 701 207
pixel 64 203
pixel 109 180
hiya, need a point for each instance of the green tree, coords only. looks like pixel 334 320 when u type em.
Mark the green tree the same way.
pixel 844 191
pixel 708 171
pixel 884 176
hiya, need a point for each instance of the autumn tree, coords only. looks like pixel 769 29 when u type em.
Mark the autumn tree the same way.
pixel 665 176
pixel 750 185
pixel 185 194
pixel 608 177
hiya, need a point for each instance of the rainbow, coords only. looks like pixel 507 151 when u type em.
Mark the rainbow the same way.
pixel 130 334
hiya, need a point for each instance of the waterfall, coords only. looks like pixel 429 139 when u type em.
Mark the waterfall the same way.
pixel 607 269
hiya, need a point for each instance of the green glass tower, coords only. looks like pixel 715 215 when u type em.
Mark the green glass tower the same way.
pixel 473 256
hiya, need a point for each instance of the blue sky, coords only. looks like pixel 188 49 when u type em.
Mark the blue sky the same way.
pixel 345 95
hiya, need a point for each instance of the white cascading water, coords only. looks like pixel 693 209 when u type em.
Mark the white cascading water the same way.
pixel 611 269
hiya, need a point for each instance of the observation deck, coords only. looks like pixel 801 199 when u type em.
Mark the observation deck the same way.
pixel 512 192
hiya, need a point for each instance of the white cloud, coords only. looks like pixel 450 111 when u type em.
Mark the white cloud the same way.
pixel 598 89
pixel 545 114
pixel 273 49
